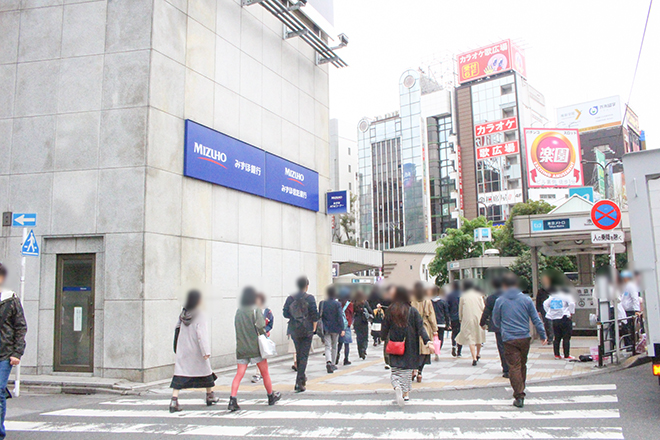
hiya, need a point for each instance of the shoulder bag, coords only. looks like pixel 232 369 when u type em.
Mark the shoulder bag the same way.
pixel 397 348
pixel 320 331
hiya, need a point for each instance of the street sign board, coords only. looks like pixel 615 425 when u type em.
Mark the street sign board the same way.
pixel 586 192
pixel 30 246
pixel 24 220
pixel 606 215
pixel 337 202
pixel 482 234
pixel 335 270
pixel 607 237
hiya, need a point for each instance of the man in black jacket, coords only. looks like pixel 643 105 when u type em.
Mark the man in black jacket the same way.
pixel 300 309
pixel 496 282
pixel 453 300
pixel 12 340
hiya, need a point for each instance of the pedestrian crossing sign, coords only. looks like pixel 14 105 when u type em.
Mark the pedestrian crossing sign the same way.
pixel 30 247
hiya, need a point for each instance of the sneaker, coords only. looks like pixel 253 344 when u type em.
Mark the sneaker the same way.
pixel 347 362
pixel 274 397
pixel 558 358
pixel 399 397
pixel 256 378
pixel 569 358
pixel 406 398
pixel 519 403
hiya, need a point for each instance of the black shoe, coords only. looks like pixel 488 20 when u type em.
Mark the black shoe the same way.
pixel 505 375
pixel 478 358
pixel 299 388
pixel 211 399
pixel 174 405
pixel 274 397
pixel 233 404
pixel 347 362
pixel 329 368
pixel 453 351
pixel 474 363
pixel 519 402
pixel 294 368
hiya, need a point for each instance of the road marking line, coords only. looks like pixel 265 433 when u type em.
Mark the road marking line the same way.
pixel 605 398
pixel 335 415
pixel 568 388
pixel 505 433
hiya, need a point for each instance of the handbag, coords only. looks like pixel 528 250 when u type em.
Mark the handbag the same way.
pixel 397 348
pixel 267 348
pixel 320 331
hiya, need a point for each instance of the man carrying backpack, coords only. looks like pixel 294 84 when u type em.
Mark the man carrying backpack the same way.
pixel 300 309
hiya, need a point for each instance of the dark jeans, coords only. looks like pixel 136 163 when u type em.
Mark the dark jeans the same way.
pixel 547 325
pixel 500 350
pixel 303 345
pixel 455 330
pixel 5 369
pixel 516 352
pixel 562 328
pixel 629 329
pixel 362 334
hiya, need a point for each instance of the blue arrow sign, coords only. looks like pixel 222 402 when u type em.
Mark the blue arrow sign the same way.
pixel 24 220
pixel 30 247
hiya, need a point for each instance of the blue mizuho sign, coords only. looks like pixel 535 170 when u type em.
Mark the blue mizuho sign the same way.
pixel 217 158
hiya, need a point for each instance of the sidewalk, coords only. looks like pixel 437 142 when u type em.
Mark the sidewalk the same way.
pixel 448 373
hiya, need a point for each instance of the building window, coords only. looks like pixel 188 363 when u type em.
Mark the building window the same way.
pixel 508 112
pixel 350 187
pixel 506 89
pixel 349 151
pixel 349 168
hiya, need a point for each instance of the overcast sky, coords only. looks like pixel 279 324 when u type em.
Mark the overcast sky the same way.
pixel 576 50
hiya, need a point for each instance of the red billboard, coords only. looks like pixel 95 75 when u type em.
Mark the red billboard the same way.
pixel 498 150
pixel 496 126
pixel 489 60
pixel 554 158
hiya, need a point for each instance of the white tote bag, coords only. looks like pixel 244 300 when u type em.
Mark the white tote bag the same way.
pixel 267 348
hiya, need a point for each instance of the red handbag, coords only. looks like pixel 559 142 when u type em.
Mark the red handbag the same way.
pixel 396 348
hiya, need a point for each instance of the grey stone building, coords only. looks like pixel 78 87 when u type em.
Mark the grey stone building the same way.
pixel 93 99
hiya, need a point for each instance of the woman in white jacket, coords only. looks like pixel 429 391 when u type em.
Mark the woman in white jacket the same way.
pixel 192 368
pixel 559 309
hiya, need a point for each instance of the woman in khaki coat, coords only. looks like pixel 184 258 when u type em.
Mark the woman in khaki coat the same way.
pixel 470 309
pixel 425 308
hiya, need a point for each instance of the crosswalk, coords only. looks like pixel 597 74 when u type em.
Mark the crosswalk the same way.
pixel 551 412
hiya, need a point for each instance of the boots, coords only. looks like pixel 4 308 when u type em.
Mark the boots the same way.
pixel 211 399
pixel 274 397
pixel 174 405
pixel 233 404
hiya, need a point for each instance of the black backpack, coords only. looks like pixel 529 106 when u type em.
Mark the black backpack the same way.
pixel 299 314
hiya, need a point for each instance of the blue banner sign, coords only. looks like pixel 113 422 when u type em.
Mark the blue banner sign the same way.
pixel 217 158
pixel 214 157
pixel 290 183
pixel 551 225
pixel 337 202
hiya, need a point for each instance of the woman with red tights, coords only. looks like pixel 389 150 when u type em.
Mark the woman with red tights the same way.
pixel 250 323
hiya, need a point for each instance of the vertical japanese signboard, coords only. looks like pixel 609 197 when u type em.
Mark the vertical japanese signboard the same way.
pixel 553 158
pixel 489 60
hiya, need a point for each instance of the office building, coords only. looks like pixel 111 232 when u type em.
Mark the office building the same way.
pixel 494 102
pixel 408 170
pixel 162 145
pixel 343 177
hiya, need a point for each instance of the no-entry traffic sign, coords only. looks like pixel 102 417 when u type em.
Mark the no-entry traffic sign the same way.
pixel 606 215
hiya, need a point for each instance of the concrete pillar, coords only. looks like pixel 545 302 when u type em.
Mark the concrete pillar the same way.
pixel 585 269
pixel 535 271
pixel 629 254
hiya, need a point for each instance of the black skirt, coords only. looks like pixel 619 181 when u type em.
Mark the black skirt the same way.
pixel 183 382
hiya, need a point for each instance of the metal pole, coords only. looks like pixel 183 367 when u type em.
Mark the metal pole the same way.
pixel 17 382
pixel 616 304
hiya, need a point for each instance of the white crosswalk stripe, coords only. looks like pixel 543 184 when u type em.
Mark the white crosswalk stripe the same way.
pixel 555 412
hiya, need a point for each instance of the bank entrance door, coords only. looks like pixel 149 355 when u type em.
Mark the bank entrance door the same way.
pixel 74 313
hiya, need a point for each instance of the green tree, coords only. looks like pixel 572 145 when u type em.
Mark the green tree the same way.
pixel 522 266
pixel 457 245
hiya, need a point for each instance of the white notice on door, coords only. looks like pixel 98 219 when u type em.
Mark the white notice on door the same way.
pixel 77 319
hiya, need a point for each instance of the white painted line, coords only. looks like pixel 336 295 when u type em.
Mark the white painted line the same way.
pixel 604 398
pixel 504 433
pixel 508 414
pixel 568 388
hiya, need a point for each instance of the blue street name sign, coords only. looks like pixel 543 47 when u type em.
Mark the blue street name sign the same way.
pixel 30 247
pixel 23 220
pixel 337 202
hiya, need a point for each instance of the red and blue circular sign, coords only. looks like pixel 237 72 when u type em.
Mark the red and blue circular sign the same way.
pixel 606 214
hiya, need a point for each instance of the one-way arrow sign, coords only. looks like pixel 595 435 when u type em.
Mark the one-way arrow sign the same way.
pixel 24 220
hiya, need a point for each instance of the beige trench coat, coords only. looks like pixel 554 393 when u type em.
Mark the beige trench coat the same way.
pixel 470 308
pixel 425 308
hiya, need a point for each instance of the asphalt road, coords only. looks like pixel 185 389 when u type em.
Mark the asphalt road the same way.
pixel 611 405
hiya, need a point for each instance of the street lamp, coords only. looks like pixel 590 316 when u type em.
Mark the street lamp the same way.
pixel 604 168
